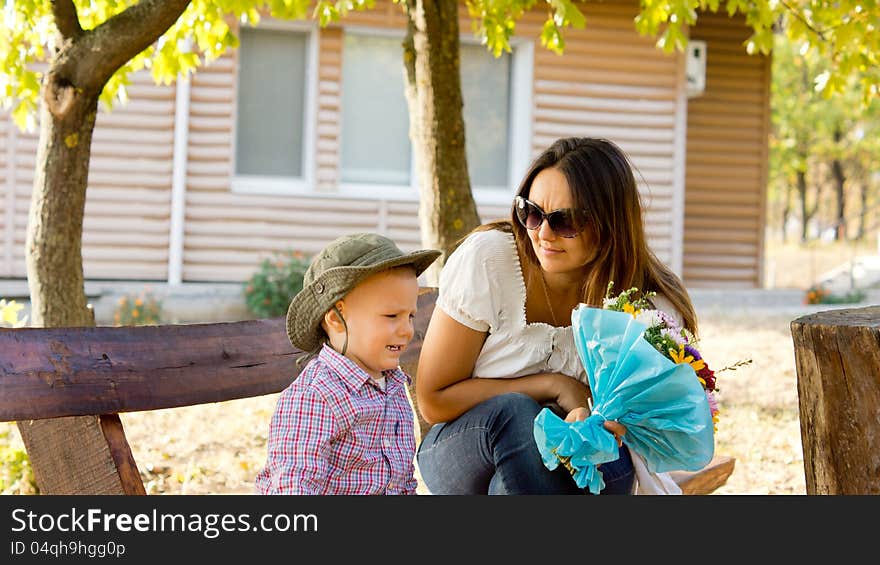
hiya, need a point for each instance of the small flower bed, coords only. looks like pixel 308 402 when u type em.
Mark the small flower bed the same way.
pixel 142 309
pixel 818 294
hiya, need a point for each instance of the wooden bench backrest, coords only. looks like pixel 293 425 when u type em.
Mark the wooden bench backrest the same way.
pixel 53 372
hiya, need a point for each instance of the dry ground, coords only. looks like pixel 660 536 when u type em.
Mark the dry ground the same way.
pixel 759 424
pixel 793 265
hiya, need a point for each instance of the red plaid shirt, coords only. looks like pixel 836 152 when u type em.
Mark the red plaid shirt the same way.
pixel 334 431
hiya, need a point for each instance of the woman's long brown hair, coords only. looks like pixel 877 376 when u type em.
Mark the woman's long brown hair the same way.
pixel 601 179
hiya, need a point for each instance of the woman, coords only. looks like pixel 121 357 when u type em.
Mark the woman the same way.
pixel 500 345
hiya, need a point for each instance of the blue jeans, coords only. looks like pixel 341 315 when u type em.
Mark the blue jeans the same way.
pixel 490 449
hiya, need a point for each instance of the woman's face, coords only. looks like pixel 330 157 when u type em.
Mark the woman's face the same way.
pixel 556 254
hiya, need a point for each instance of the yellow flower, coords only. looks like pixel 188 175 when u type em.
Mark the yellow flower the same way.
pixel 9 313
pixel 679 357
pixel 630 309
pixel 135 313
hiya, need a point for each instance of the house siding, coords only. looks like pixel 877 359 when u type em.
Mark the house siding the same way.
pixel 727 160
pixel 125 226
pixel 614 83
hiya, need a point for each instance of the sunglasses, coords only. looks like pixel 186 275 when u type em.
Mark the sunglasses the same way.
pixel 565 222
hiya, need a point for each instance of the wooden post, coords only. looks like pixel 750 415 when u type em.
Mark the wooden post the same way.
pixel 81 455
pixel 837 355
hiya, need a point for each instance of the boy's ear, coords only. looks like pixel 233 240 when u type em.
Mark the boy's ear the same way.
pixel 332 320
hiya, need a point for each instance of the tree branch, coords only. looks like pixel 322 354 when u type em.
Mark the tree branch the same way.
pixel 120 38
pixel 66 18
pixel 794 12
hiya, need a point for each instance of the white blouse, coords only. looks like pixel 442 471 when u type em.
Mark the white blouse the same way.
pixel 482 287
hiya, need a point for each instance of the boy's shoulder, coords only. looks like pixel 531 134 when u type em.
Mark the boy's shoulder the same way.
pixel 317 376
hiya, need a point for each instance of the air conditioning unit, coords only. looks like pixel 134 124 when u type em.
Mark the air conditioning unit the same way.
pixel 695 67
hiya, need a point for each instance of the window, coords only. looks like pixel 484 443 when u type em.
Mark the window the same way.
pixel 485 85
pixel 375 119
pixel 376 154
pixel 272 152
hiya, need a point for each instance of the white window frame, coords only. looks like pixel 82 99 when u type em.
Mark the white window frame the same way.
pixel 519 135
pixel 284 185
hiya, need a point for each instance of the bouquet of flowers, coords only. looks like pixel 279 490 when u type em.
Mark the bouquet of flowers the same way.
pixel 642 370
pixel 675 342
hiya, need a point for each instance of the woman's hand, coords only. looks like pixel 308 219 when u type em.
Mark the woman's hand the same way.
pixel 570 393
pixel 578 414
pixel 616 428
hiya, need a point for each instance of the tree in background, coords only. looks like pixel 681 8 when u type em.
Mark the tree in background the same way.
pixel 820 141
pixel 796 107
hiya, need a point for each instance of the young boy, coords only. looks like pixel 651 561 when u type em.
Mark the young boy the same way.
pixel 345 425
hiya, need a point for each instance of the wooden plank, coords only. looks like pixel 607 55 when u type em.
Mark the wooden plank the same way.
pixel 52 372
pixel 706 480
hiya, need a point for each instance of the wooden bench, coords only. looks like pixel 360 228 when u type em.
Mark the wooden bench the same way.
pixel 48 373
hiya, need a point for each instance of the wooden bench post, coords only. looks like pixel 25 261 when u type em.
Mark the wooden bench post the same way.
pixel 81 455
pixel 837 355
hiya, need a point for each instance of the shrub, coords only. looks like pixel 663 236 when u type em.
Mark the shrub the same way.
pixel 851 297
pixel 818 294
pixel 16 474
pixel 142 309
pixel 269 290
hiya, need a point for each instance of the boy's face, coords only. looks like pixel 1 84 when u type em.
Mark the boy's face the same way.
pixel 379 313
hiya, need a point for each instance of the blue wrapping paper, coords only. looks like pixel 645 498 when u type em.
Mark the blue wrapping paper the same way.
pixel 661 403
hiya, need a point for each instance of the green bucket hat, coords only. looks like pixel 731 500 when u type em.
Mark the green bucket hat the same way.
pixel 335 271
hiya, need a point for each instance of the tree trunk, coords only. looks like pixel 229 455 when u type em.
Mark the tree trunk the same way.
pixel 863 210
pixel 87 454
pixel 786 211
pixel 54 235
pixel 447 210
pixel 839 179
pixel 83 454
pixel 837 355
pixel 839 195
pixel 802 194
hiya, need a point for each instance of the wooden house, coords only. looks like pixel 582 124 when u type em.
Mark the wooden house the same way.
pixel 301 135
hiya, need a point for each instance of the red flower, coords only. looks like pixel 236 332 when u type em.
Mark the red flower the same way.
pixel 708 376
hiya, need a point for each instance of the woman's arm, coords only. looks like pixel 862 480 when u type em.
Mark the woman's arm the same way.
pixel 445 389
